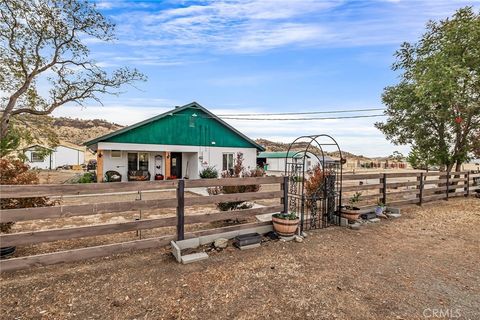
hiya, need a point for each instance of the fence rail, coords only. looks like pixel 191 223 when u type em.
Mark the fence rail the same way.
pixel 179 201
pixel 420 187
pixel 390 188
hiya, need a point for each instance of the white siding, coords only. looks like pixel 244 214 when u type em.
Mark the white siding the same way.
pixel 197 157
pixel 68 156
pixel 47 163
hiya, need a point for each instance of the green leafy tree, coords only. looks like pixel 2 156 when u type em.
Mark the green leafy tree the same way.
pixel 436 105
pixel 43 41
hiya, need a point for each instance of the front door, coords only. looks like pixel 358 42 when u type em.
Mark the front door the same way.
pixel 176 165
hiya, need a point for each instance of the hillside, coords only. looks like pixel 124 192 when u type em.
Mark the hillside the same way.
pixel 280 146
pixel 78 131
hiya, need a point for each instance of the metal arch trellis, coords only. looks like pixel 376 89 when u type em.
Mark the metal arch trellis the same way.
pixel 319 208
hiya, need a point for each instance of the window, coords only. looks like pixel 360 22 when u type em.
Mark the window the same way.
pixel 132 161
pixel 36 156
pixel 138 161
pixel 116 154
pixel 227 161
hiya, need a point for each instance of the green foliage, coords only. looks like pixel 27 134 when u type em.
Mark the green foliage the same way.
pixel 286 216
pixel 87 177
pixel 13 172
pixel 238 171
pixel 435 106
pixel 355 198
pixel 43 42
pixel 209 173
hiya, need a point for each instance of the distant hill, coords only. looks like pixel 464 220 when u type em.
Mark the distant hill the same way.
pixel 280 146
pixel 78 131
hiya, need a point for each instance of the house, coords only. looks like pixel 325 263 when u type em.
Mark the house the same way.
pixel 176 144
pixel 274 162
pixel 43 157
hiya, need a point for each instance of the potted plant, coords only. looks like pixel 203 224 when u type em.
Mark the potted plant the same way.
pixel 285 224
pixel 352 212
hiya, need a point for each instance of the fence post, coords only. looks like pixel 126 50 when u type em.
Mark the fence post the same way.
pixel 285 194
pixel 181 209
pixel 420 195
pixel 466 184
pixel 384 189
pixel 448 184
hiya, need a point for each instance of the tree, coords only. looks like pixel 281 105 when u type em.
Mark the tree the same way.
pixel 436 105
pixel 42 41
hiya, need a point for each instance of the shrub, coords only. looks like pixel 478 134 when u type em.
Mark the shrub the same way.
pixel 209 173
pixel 16 172
pixel 87 177
pixel 238 171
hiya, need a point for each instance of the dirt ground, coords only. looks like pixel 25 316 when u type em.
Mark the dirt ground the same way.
pixel 423 263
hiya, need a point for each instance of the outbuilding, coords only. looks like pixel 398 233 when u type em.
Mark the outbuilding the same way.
pixel 47 158
pixel 273 162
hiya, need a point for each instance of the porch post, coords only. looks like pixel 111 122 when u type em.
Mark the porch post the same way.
pixel 168 163
pixel 100 155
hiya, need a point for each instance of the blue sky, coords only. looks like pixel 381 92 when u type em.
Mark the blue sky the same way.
pixel 262 56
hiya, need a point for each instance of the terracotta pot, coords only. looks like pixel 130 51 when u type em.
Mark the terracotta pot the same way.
pixel 285 227
pixel 350 216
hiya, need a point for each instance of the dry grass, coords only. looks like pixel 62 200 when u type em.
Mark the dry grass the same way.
pixel 396 269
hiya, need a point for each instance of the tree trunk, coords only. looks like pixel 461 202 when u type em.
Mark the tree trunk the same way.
pixel 4 125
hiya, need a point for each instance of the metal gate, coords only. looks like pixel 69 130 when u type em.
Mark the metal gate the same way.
pixel 314 191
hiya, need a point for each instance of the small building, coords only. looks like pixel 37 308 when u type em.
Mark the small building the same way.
pixel 274 162
pixel 176 144
pixel 43 157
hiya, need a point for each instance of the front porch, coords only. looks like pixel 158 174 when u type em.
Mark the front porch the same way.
pixel 139 165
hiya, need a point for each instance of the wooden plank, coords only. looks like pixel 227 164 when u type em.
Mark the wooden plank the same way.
pixel 435 181
pixel 181 210
pixel 402 184
pixel 31 237
pixel 430 191
pixel 48 190
pixel 13 264
pixel 403 174
pixel 361 176
pixel 233 197
pixel 231 181
pixel 409 191
pixel 24 214
pixel 236 214
pixel 362 187
pixel 403 202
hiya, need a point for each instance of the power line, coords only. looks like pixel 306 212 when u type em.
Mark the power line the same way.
pixel 303 119
pixel 300 113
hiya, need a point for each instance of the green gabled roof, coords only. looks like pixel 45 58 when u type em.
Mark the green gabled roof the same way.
pixel 276 154
pixel 175 127
pixel 283 154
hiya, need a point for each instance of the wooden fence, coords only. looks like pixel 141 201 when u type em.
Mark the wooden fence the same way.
pixel 179 221
pixel 394 189
pixel 403 188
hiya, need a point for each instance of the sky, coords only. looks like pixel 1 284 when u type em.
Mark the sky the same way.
pixel 262 56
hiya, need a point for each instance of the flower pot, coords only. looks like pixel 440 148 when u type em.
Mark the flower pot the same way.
pixel 351 214
pixel 285 227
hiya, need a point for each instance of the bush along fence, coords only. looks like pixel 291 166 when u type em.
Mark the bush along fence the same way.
pixel 397 189
pixel 394 189
pixel 180 201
